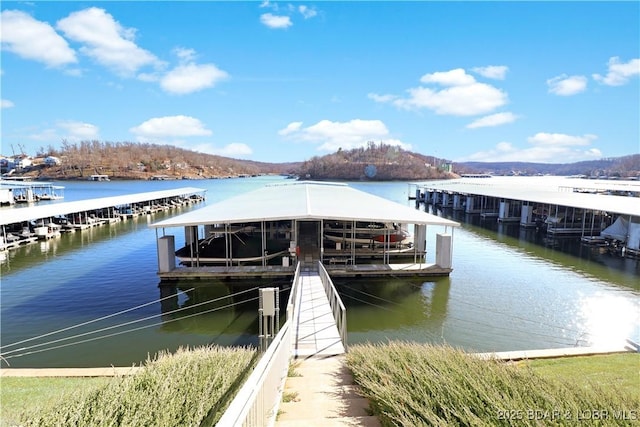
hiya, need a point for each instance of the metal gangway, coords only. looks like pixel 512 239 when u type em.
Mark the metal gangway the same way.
pixel 316 325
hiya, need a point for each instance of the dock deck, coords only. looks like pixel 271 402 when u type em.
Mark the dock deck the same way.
pixel 275 271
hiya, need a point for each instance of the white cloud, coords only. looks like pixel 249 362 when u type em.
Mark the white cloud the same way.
pixel 70 130
pixel 170 127
pixel 544 148
pixel 307 12
pixel 457 77
pixel 33 39
pixel 467 100
pixel 106 41
pixel 381 98
pixel 190 78
pixel 268 4
pixel 5 103
pixel 78 131
pixel 281 18
pixel 185 54
pixel 291 128
pixel 493 120
pixel 275 21
pixel 45 135
pixel 187 77
pixel 346 135
pixel 235 149
pixel 560 139
pixel 497 72
pixel 461 96
pixel 567 85
pixel 619 73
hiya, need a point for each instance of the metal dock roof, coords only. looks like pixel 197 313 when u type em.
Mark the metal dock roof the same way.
pixel 304 200
pixel 561 191
pixel 16 215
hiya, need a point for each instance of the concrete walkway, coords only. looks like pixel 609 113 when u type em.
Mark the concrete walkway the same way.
pixel 323 394
pixel 560 352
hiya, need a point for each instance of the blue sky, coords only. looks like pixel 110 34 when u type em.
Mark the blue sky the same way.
pixel 285 81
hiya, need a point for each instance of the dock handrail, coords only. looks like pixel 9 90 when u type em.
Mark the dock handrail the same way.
pixel 257 401
pixel 337 306
pixel 292 303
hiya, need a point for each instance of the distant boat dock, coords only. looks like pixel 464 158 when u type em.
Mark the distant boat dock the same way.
pixel 558 206
pixel 24 225
pixel 14 191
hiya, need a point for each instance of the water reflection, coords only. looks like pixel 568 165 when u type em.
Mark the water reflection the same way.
pixel 69 243
pixel 226 312
pixel 400 308
pixel 592 261
pixel 607 320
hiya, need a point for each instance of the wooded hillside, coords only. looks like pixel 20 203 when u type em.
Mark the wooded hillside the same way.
pixel 377 162
pixel 625 167
pixel 134 160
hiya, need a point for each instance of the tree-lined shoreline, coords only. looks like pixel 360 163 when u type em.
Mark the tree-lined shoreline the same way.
pixel 375 162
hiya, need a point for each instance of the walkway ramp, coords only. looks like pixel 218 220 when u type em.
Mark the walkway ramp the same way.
pixel 315 329
pixel 323 394
pixel 321 391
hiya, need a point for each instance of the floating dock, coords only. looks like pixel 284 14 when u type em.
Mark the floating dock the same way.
pixel 20 226
pixel 266 232
pixel 557 206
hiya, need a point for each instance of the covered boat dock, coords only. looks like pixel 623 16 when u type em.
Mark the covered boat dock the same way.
pixel 24 225
pixel 15 191
pixel 557 206
pixel 266 232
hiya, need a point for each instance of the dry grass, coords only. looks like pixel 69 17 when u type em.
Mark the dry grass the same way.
pixel 424 385
pixel 188 388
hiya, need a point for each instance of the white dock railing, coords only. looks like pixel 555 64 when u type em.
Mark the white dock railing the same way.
pixel 337 306
pixel 257 401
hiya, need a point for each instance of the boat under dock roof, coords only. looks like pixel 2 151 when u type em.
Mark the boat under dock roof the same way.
pixel 302 213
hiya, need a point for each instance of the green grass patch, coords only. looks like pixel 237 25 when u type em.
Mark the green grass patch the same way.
pixel 293 369
pixel 424 385
pixel 25 395
pixel 619 370
pixel 187 388
pixel 290 396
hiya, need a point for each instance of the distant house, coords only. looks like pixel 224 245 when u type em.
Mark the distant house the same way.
pixel 18 163
pixel 22 162
pixel 52 161
pixel 4 165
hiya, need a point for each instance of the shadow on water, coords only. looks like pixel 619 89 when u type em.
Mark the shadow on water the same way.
pixel 226 311
pixel 76 243
pixel 398 308
pixel 569 252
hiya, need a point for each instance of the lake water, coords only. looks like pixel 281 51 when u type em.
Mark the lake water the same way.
pixel 509 290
